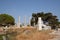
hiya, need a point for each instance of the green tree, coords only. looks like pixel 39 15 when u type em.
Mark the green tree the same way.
pixel 6 19
pixel 46 17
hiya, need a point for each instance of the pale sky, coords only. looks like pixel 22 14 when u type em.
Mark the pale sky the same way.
pixel 27 7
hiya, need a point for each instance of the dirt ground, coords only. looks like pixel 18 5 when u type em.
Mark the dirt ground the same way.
pixel 29 34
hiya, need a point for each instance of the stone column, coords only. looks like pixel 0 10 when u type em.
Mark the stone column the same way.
pixel 18 22
pixel 29 21
pixel 25 21
pixel 39 23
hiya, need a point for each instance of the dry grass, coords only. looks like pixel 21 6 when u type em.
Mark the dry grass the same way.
pixel 33 34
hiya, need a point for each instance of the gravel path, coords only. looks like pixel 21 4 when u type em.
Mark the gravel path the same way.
pixel 57 33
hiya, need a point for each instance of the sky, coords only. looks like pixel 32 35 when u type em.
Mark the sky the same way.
pixel 27 7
